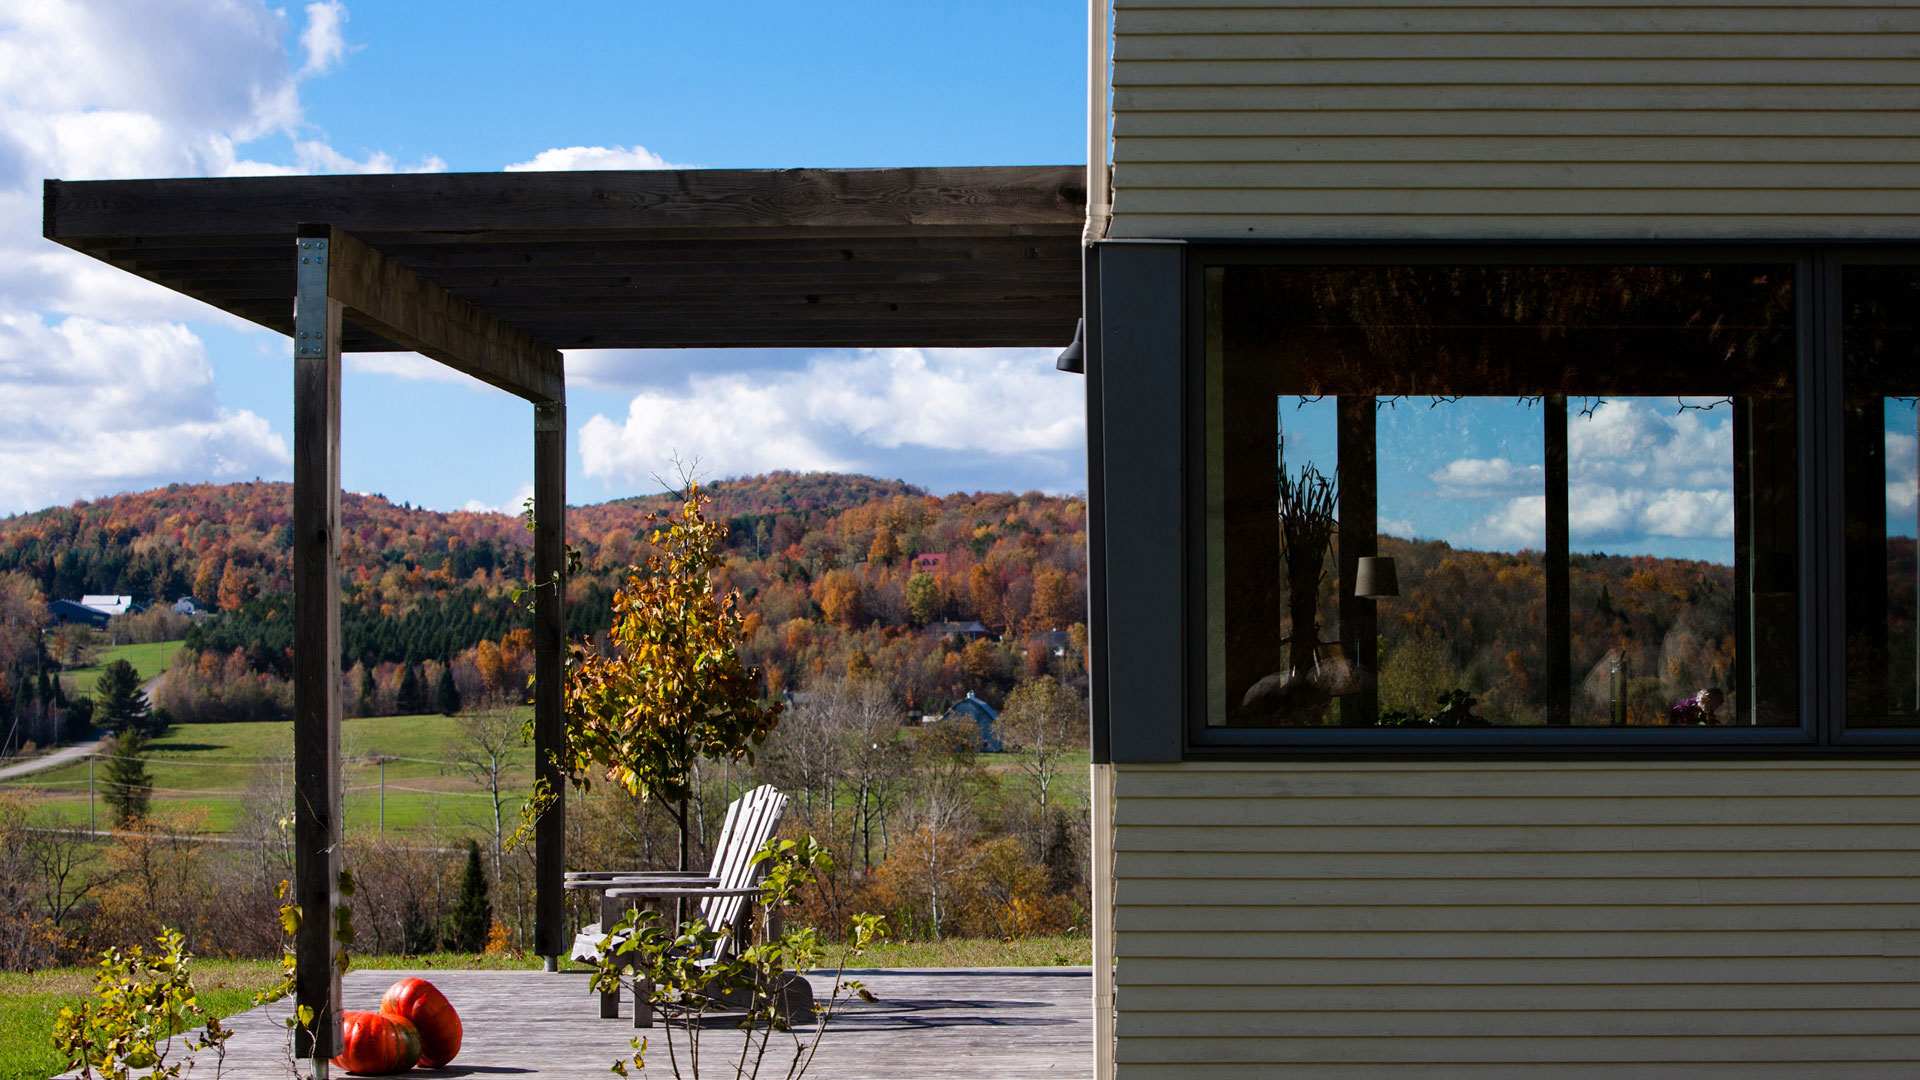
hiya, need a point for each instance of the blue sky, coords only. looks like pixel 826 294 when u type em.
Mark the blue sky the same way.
pixel 1644 476
pixel 108 384
pixel 136 88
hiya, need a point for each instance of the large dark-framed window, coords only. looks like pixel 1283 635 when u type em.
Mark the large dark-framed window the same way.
pixel 1873 339
pixel 1772 642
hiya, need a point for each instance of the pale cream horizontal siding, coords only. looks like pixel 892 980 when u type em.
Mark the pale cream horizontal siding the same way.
pixel 1538 919
pixel 1442 118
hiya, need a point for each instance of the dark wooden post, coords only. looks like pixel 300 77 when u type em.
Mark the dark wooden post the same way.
pixel 1559 607
pixel 549 669
pixel 316 645
pixel 1359 536
pixel 1250 467
pixel 1740 679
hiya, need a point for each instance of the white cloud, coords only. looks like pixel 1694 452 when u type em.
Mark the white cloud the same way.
pixel 1518 523
pixel 1474 477
pixel 855 410
pixel 1599 513
pixel 409 366
pixel 1700 514
pixel 575 158
pixel 1652 442
pixel 1903 474
pixel 1400 527
pixel 513 506
pixel 324 41
pixel 92 408
pixel 1638 468
pixel 119 393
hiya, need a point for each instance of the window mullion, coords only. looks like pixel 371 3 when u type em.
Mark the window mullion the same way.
pixel 1559 607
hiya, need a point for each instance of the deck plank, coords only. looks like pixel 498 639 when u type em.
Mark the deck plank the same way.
pixel 952 1024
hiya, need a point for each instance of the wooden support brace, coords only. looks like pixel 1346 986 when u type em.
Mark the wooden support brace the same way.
pixel 317 831
pixel 403 307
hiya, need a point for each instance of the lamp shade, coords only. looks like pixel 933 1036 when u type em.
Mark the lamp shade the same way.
pixel 1374 577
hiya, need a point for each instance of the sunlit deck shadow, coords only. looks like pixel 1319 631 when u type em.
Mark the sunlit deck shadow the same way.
pixel 971 1024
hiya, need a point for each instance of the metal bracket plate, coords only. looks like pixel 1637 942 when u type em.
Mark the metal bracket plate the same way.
pixel 547 416
pixel 310 300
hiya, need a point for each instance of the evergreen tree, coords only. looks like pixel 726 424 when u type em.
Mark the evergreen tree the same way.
pixel 472 916
pixel 446 696
pixel 77 719
pixel 367 697
pixel 128 785
pixel 122 704
pixel 411 699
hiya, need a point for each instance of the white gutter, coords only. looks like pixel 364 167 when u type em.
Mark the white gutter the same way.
pixel 1099 177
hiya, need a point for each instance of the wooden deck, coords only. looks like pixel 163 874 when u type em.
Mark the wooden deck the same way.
pixel 955 1024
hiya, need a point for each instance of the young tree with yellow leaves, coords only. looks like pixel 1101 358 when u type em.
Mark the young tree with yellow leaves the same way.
pixel 672 688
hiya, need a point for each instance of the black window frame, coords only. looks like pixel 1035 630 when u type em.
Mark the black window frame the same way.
pixel 1138 733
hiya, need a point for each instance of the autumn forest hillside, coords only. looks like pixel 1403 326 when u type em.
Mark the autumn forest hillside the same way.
pixel 837 573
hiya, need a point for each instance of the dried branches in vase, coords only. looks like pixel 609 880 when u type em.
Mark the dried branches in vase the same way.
pixel 1300 692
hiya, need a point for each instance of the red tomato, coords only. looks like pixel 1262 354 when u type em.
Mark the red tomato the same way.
pixel 375 1045
pixel 422 1003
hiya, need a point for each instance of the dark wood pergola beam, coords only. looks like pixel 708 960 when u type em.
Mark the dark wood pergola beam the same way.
pixel 741 258
pixel 409 310
pixel 832 200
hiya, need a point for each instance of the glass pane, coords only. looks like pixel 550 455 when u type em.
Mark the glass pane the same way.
pixel 1651 526
pixel 1543 496
pixel 1462 513
pixel 1881 339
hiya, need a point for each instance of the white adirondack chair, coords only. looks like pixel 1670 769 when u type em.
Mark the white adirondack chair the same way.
pixel 724 891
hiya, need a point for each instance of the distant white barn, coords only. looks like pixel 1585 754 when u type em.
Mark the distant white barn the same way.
pixel 110 605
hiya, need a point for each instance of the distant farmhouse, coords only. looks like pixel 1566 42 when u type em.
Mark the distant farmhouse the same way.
pixel 965 631
pixel 92 610
pixel 1055 641
pixel 973 711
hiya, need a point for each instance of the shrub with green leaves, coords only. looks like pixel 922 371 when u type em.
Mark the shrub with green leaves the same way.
pixel 141 1001
pixel 679 974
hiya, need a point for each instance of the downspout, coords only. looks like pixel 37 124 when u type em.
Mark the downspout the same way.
pixel 1099 176
pixel 1099 219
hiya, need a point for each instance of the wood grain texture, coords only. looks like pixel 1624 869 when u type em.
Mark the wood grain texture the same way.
pixel 318 830
pixel 652 199
pixel 549 670
pixel 409 310
pixel 662 259
pixel 1517 918
pixel 978 1024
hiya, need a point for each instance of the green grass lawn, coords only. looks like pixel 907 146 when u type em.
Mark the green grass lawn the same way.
pixel 203 771
pixel 1046 951
pixel 148 659
pixel 29 1003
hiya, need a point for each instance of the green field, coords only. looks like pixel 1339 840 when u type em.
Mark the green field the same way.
pixel 205 772
pixel 148 659
pixel 29 1003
